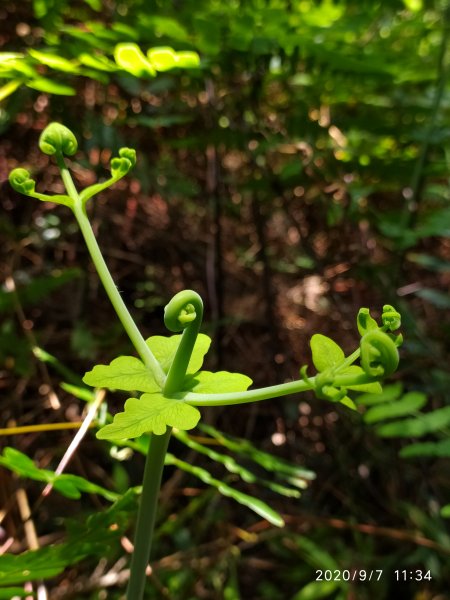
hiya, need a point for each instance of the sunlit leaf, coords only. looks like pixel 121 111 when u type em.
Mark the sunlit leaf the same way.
pixel 9 88
pixel 326 354
pixel 187 59
pixel 163 59
pixel 123 373
pixel 131 58
pixel 97 61
pixel 54 61
pixel 164 349
pixel 42 84
pixel 150 413
pixel 206 382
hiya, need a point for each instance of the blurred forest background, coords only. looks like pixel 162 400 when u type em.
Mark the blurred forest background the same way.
pixel 298 172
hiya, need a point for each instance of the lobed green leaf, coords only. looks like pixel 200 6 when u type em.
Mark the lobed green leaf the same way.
pixel 123 373
pixel 151 413
pixel 206 382
pixel 164 348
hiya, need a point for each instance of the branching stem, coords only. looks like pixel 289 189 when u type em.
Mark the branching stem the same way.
pixel 79 210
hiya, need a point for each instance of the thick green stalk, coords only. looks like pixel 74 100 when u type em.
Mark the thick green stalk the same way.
pixel 108 283
pixel 148 505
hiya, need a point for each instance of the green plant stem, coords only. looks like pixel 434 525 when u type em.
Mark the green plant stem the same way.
pixel 148 504
pixel 273 391
pixel 126 319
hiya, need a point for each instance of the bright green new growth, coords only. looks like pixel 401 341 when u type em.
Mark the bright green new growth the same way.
pixel 168 372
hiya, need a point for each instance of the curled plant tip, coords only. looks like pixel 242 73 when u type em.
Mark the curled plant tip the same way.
pixel 58 139
pixel 365 322
pixel 391 318
pixel 184 308
pixel 379 354
pixel 304 373
pixel 120 165
pixel 21 181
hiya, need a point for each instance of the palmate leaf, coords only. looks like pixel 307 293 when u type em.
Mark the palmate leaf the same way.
pixel 164 349
pixel 153 412
pixel 150 413
pixel 129 373
pixel 124 373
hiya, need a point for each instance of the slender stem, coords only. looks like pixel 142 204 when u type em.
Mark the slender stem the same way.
pixel 273 391
pixel 148 504
pixel 108 283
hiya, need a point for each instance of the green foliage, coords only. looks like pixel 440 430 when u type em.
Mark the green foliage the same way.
pixel 150 413
pixel 154 411
pixel 69 486
pixel 26 68
pixel 98 536
pixel 256 505
pixel 338 100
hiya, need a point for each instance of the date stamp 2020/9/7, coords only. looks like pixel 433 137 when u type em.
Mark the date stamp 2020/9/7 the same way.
pixel 371 575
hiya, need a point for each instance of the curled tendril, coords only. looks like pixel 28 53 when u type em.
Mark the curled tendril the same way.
pixel 379 354
pixel 391 318
pixel 21 181
pixel 183 313
pixel 184 308
pixel 58 139
pixel 120 165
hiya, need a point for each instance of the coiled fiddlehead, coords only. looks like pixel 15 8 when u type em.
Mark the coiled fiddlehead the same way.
pixel 391 318
pixel 379 354
pixel 21 181
pixel 183 313
pixel 58 139
pixel 120 166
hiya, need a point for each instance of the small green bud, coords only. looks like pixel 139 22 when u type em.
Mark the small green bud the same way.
pixel 21 181
pixel 391 318
pixel 120 165
pixel 57 138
